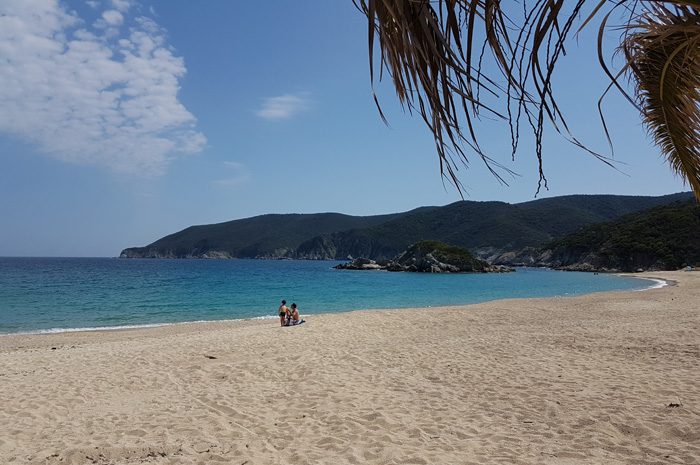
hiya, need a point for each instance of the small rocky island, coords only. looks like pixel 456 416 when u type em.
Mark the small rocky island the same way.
pixel 429 257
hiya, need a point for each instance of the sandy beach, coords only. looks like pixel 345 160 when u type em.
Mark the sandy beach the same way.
pixel 610 378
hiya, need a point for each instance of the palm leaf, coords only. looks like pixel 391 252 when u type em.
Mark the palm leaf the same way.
pixel 435 61
pixel 663 55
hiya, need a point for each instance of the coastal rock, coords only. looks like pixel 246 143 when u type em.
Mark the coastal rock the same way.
pixel 215 254
pixel 429 257
pixel 360 264
pixel 169 253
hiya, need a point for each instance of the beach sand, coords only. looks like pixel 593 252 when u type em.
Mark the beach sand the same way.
pixel 610 378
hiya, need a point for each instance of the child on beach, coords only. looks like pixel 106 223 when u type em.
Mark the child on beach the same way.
pixel 283 312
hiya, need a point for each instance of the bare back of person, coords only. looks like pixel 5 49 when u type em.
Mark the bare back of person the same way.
pixel 283 311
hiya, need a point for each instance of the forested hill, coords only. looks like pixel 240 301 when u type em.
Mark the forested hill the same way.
pixel 265 236
pixel 485 228
pixel 665 237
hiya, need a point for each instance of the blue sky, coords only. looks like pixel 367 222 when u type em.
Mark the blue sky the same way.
pixel 122 121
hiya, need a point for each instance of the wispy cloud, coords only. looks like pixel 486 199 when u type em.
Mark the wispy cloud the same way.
pixel 283 107
pixel 238 175
pixel 102 94
pixel 234 165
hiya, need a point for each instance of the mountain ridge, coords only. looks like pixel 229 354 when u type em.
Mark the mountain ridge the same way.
pixel 488 229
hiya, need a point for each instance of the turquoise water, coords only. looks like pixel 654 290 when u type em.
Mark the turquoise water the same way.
pixel 59 294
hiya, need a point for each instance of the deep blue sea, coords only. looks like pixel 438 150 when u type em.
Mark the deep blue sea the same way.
pixel 60 294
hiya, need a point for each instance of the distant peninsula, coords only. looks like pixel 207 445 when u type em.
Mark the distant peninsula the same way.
pixel 545 232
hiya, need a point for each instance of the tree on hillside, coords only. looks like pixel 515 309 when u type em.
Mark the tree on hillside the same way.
pixel 438 54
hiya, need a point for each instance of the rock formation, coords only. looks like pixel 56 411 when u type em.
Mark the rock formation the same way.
pixel 429 257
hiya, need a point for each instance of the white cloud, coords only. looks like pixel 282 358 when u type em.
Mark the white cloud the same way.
pixel 113 17
pixel 121 5
pixel 283 107
pixel 88 96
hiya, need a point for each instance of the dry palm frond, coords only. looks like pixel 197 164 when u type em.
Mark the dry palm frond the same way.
pixel 430 49
pixel 663 55
pixel 422 48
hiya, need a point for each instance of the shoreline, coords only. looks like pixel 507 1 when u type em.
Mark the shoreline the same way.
pixel 661 282
pixel 607 377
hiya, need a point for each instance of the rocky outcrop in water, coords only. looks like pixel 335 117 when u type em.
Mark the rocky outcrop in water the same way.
pixel 429 257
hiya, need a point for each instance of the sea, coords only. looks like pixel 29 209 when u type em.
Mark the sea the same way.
pixel 51 295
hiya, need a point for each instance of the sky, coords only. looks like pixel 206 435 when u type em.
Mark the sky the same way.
pixel 123 121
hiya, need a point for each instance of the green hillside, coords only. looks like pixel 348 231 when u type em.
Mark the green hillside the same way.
pixel 665 238
pixel 266 236
pixel 485 228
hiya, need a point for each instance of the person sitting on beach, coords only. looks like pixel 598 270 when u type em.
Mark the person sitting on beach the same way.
pixel 283 311
pixel 293 316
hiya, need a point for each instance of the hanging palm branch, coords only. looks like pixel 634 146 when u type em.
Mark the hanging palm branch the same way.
pixel 663 56
pixel 431 50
